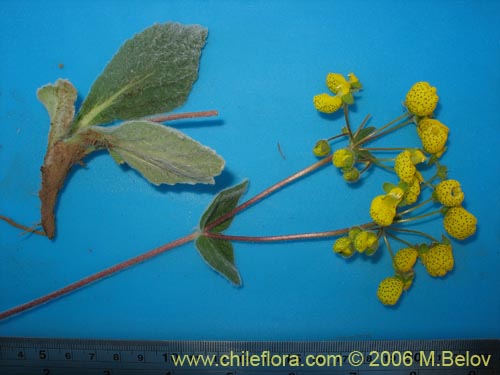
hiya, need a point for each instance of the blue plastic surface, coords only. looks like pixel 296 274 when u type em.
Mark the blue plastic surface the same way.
pixel 262 65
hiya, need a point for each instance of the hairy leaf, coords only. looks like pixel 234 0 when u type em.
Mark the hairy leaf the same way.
pixel 223 203
pixel 59 100
pixel 160 153
pixel 152 73
pixel 219 255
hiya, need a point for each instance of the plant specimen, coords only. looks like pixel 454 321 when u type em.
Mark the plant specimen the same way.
pixel 151 73
pixel 392 212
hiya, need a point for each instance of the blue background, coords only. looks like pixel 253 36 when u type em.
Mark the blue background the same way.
pixel 260 68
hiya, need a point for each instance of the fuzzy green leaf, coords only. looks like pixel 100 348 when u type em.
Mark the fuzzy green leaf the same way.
pixel 152 73
pixel 59 100
pixel 160 153
pixel 223 203
pixel 219 255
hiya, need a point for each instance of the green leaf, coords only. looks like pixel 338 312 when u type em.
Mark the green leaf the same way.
pixel 388 186
pixel 363 133
pixel 152 73
pixel 348 98
pixel 223 203
pixel 59 100
pixel 160 153
pixel 403 185
pixel 219 255
pixel 364 154
pixel 356 85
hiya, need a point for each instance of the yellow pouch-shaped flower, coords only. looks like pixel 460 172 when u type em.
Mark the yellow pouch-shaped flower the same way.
pixel 422 99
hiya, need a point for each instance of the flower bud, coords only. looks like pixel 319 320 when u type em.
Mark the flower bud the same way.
pixel 343 158
pixel 321 148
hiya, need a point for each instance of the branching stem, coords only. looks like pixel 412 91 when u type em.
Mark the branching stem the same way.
pixel 269 191
pixel 178 116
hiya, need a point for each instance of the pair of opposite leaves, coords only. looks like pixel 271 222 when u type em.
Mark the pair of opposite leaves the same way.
pixel 151 73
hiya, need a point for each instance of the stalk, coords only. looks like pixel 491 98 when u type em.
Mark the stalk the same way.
pixel 95 277
pixel 181 241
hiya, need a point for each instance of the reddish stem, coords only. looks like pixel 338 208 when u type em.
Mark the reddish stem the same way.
pixel 178 116
pixel 96 277
pixel 152 253
pixel 267 192
pixel 286 237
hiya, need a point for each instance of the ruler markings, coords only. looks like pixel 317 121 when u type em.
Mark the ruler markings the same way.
pixel 110 357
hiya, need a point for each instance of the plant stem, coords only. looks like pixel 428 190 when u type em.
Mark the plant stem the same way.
pixel 379 134
pixel 417 232
pixel 269 191
pixel 361 126
pixel 388 245
pixel 23 227
pixel 411 209
pixel 336 136
pixel 178 116
pixel 382 148
pixel 347 124
pixel 152 253
pixel 400 221
pixel 97 276
pixel 367 166
pixel 285 237
pixel 381 165
pixel 399 239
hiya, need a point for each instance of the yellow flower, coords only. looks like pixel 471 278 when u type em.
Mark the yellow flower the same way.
pixel 422 99
pixel 389 290
pixel 366 240
pixel 404 167
pixel 438 260
pixel 326 103
pixel 343 246
pixel 405 259
pixel 413 191
pixel 383 207
pixel 459 223
pixel 343 158
pixel 433 135
pixel 353 80
pixel 335 82
pixel 449 193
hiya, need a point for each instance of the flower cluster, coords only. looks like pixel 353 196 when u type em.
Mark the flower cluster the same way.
pixel 343 90
pixel 362 241
pixel 385 210
pixel 344 159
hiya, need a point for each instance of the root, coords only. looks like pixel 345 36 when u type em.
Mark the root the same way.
pixel 26 229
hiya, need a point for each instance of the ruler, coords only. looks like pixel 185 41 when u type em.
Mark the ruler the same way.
pixel 49 356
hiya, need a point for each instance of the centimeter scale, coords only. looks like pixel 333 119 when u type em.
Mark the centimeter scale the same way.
pixel 373 357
